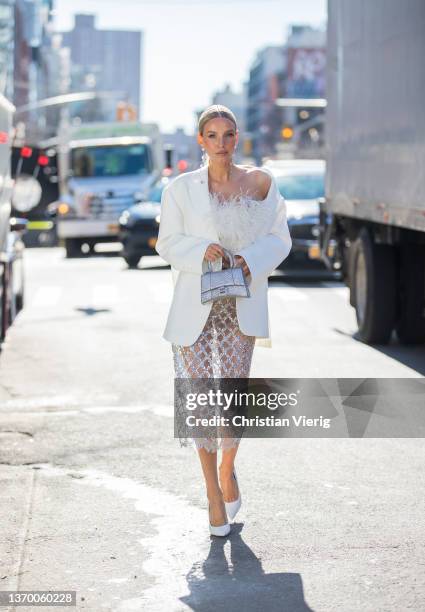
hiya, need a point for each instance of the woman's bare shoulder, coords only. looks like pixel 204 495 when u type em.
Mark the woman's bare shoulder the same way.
pixel 259 179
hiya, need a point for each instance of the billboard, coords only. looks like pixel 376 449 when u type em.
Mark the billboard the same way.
pixel 306 72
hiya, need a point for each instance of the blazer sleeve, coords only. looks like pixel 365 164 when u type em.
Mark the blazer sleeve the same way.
pixel 267 252
pixel 182 252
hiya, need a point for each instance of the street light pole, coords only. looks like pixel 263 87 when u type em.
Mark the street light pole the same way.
pixel 63 100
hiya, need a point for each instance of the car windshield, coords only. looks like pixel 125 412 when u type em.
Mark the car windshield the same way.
pixel 114 160
pixel 301 186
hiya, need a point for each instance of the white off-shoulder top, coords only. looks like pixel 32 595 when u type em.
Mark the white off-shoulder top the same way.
pixel 240 220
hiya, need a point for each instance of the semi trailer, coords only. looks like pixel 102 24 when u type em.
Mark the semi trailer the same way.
pixel 374 205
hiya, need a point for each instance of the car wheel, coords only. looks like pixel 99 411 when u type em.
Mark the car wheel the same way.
pixel 4 306
pixel 72 247
pixel 374 283
pixel 20 297
pixel 132 260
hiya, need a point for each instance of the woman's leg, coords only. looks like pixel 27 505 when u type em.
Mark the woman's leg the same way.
pixel 227 483
pixel 195 362
pixel 215 496
pixel 235 352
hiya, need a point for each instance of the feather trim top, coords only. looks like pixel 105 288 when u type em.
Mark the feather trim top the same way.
pixel 240 220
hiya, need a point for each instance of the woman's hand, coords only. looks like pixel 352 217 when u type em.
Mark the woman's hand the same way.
pixel 213 252
pixel 241 263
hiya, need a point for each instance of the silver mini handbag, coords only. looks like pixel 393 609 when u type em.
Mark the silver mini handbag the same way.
pixel 219 284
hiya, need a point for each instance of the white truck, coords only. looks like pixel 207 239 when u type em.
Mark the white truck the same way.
pixel 103 169
pixel 375 180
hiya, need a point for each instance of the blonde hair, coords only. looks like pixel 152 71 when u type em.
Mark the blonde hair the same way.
pixel 214 111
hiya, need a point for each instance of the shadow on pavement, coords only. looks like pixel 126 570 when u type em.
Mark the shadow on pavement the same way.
pixel 412 356
pixel 243 584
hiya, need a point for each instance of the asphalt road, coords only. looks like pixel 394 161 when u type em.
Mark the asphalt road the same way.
pixel 98 497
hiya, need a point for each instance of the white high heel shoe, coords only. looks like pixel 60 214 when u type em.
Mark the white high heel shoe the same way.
pixel 218 530
pixel 232 508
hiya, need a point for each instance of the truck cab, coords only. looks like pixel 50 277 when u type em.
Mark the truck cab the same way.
pixel 102 172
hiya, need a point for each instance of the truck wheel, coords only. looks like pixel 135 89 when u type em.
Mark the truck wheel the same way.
pixel 72 247
pixel 350 259
pixel 374 282
pixel 132 260
pixel 410 325
pixel 20 297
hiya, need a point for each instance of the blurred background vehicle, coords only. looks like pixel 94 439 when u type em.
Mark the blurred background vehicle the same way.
pixel 138 226
pixel 103 169
pixel 34 169
pixel 302 183
pixel 11 229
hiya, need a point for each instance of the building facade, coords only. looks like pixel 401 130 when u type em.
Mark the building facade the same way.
pixel 294 70
pixel 306 78
pixel 7 43
pixel 28 76
pixel 263 116
pixel 104 61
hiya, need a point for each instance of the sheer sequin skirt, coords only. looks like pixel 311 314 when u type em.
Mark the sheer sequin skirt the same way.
pixel 221 351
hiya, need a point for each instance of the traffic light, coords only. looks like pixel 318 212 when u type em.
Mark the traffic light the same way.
pixel 126 112
pixel 168 153
pixel 287 132
pixel 247 146
pixel 307 114
pixel 132 111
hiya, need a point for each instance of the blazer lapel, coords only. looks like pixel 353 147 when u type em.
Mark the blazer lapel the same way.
pixel 200 199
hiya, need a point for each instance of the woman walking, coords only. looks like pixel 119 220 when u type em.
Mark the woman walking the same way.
pixel 218 209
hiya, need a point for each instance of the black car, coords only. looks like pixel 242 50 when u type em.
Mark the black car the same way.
pixel 138 226
pixel 301 182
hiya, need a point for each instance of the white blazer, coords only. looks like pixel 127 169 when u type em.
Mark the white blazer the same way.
pixel 186 229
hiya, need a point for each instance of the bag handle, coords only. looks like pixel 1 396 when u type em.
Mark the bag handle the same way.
pixel 229 255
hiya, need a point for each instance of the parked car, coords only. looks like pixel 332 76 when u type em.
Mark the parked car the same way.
pixel 138 226
pixel 301 182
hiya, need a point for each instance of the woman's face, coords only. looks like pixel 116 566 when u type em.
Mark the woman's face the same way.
pixel 219 139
